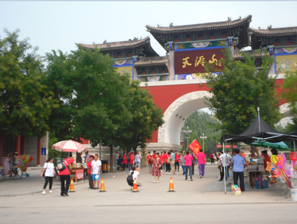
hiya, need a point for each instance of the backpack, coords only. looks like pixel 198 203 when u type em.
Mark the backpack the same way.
pixel 150 159
pixel 61 166
pixel 130 180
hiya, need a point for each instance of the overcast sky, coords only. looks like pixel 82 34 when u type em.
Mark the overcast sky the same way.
pixel 59 25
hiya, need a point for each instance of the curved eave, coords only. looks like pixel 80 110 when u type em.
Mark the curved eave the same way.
pixel 199 27
pixel 118 45
pixel 290 31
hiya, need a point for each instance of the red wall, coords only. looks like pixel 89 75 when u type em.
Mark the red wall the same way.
pixel 164 96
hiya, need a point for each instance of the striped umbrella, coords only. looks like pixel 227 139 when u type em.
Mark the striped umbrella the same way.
pixel 68 146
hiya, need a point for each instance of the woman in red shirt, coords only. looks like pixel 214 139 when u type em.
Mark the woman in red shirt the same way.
pixel 124 161
pixel 168 163
pixel 89 166
pixel 177 159
pixel 157 166
pixel 131 160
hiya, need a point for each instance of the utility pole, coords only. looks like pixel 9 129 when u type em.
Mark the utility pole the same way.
pixel 203 137
pixel 188 132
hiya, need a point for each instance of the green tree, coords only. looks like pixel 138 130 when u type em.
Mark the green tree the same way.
pixel 25 102
pixel 240 89
pixel 292 127
pixel 203 123
pixel 58 79
pixel 290 90
pixel 146 118
pixel 93 96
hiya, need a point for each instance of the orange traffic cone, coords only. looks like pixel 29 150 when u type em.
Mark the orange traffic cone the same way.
pixel 102 186
pixel 171 187
pixel 71 189
pixel 135 188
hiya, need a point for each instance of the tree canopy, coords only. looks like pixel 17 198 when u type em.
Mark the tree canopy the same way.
pixel 290 90
pixel 239 89
pixel 25 102
pixel 98 103
pixel 146 118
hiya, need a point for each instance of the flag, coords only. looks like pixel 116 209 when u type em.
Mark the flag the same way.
pixel 195 146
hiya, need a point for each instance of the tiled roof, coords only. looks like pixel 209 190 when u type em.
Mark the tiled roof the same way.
pixel 285 31
pixel 149 61
pixel 118 45
pixel 203 26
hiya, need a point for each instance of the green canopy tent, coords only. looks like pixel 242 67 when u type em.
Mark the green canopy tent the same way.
pixel 276 145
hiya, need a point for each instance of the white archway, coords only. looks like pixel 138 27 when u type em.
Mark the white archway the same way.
pixel 181 108
pixel 285 110
pixel 177 113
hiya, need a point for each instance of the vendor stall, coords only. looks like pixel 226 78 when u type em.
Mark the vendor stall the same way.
pixel 260 131
pixel 78 171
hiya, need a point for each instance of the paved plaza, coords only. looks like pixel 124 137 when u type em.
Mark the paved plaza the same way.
pixel 200 200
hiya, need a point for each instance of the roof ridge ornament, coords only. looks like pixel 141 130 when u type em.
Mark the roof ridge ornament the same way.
pixel 269 27
pixel 171 25
pixel 104 42
pixel 258 28
pixel 229 19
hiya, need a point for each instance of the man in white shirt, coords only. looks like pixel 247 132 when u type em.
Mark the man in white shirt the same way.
pixel 225 161
pixel 96 168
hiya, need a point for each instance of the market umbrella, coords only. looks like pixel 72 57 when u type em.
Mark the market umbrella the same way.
pixel 276 145
pixel 68 146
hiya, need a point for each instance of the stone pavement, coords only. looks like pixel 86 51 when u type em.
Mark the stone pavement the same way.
pixel 152 204
pixel 205 190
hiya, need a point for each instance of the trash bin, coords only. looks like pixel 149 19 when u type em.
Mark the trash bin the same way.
pixel 56 161
pixel 104 166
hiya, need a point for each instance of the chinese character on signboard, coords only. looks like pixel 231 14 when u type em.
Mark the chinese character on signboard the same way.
pixel 195 61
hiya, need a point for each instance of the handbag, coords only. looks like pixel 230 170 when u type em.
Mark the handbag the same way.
pixel 220 164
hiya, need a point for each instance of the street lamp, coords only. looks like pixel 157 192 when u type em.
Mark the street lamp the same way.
pixel 203 137
pixel 188 132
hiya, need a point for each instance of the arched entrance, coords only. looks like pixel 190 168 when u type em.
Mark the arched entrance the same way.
pixel 285 110
pixel 177 113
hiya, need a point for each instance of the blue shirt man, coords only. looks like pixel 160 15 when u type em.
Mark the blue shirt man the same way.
pixel 172 155
pixel 238 163
pixel 238 168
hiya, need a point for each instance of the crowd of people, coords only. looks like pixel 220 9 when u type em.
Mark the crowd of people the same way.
pixel 164 162
pixel 10 163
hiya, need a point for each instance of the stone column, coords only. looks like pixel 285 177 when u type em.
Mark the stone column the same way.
pixel 143 157
pixel 1 147
pixel 38 151
pixel 18 144
pixel 171 64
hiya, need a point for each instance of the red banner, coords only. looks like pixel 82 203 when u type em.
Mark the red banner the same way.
pixel 195 146
pixel 227 146
pixel 193 61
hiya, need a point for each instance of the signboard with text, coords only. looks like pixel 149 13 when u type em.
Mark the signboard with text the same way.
pixel 193 61
pixel 79 174
pixel 43 151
